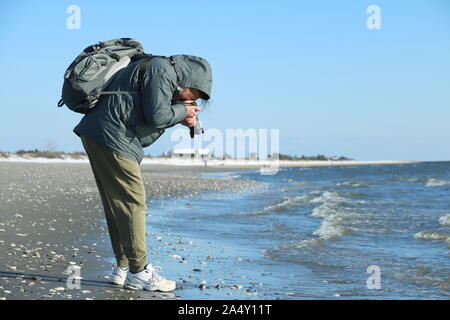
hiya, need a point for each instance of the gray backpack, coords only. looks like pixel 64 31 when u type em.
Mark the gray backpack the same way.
pixel 91 72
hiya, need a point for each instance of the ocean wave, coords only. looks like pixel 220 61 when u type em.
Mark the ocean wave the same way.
pixel 335 225
pixel 315 254
pixel 286 203
pixel 338 217
pixel 308 243
pixel 431 235
pixel 445 220
pixel 433 182
pixel 323 211
pixel 354 183
pixel 358 194
pixel 338 198
pixel 409 179
pixel 291 250
pixel 328 196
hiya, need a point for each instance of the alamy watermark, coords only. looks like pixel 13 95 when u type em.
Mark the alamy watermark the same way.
pixel 74 279
pixel 374 20
pixel 374 280
pixel 73 21
pixel 256 146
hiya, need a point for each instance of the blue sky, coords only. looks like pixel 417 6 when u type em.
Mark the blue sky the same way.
pixel 309 68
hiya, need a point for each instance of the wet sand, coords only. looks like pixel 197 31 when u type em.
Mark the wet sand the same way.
pixel 52 218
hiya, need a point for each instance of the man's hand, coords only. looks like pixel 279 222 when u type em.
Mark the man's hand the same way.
pixel 189 122
pixel 191 113
pixel 190 108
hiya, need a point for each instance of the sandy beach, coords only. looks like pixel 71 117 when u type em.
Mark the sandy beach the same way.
pixel 52 218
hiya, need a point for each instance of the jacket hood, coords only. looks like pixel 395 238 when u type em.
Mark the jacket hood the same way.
pixel 195 72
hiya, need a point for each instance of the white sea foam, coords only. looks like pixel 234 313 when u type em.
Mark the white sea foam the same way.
pixel 323 211
pixel 335 225
pixel 328 230
pixel 310 243
pixel 327 197
pixel 281 206
pixel 431 235
pixel 445 220
pixel 337 219
pixel 287 202
pixel 436 182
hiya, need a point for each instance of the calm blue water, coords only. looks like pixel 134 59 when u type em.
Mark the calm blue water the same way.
pixel 312 232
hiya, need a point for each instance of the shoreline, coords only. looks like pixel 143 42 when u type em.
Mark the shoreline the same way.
pixel 52 218
pixel 234 163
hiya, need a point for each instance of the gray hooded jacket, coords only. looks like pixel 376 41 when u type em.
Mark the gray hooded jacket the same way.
pixel 128 121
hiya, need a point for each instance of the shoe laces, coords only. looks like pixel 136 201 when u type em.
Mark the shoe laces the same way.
pixel 154 276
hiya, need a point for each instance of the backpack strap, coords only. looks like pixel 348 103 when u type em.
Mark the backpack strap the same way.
pixel 172 63
pixel 141 73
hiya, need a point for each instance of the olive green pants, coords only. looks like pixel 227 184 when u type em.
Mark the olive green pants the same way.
pixel 121 188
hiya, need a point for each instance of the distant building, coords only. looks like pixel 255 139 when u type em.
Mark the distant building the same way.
pixel 254 156
pixel 191 153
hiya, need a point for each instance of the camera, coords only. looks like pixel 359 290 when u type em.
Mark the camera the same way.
pixel 197 128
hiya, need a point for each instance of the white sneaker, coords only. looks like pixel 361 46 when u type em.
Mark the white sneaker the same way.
pixel 149 280
pixel 119 275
